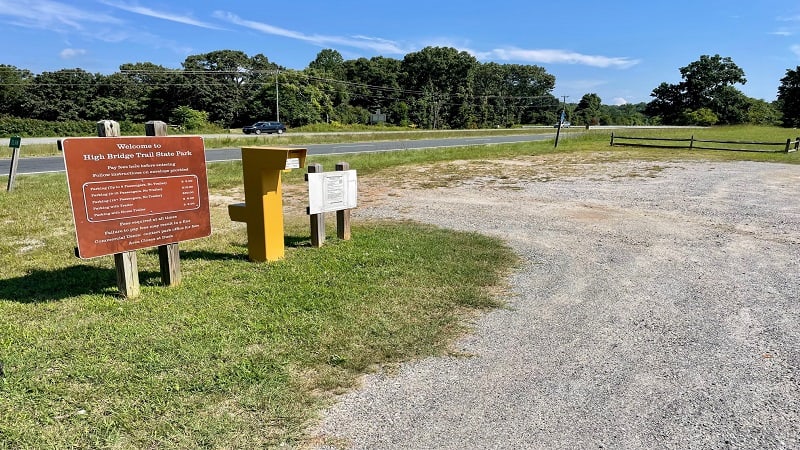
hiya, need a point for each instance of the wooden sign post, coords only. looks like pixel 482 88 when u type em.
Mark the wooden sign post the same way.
pixel 125 262
pixel 317 220
pixel 169 258
pixel 131 193
pixel 343 215
pixel 328 192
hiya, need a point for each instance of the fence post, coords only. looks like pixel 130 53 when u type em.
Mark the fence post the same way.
pixel 343 215
pixel 125 262
pixel 168 255
pixel 317 220
pixel 691 142
pixel 797 143
pixel 788 145
pixel 612 138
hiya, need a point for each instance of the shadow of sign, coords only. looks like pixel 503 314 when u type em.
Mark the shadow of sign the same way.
pixel 53 285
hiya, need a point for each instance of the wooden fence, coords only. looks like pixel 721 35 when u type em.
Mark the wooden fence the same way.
pixel 704 144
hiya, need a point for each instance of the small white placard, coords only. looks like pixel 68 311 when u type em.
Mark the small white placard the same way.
pixel 332 191
pixel 292 163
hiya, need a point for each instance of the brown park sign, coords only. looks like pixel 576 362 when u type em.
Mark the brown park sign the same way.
pixel 130 193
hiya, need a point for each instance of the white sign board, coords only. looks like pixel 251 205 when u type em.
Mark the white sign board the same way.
pixel 292 163
pixel 332 191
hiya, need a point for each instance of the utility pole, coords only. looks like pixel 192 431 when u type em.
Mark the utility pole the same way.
pixel 277 100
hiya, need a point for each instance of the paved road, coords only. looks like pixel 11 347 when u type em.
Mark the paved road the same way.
pixel 56 163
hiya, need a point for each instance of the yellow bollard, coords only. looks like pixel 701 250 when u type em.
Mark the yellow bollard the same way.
pixel 262 209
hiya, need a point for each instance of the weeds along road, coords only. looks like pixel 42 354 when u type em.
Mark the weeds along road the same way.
pixel 56 163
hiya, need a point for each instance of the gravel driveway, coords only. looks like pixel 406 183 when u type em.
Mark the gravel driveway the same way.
pixel 657 306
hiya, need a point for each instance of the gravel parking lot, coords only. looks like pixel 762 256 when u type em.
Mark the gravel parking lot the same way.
pixel 657 306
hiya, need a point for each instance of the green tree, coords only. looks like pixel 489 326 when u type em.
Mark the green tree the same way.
pixel 437 74
pixel 156 89
pixel 329 62
pixel 588 110
pixel 789 97
pixel 59 96
pixel 703 117
pixel 13 83
pixel 528 86
pixel 488 94
pixel 761 112
pixel 261 91
pixel 668 103
pixel 730 105
pixel 190 119
pixel 705 78
pixel 117 98
pixel 374 84
pixel 216 83
pixel 707 83
pixel 302 100
pixel 327 72
pixel 627 114
pixel 510 93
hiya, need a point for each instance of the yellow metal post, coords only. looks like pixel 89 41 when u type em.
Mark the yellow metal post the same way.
pixel 262 209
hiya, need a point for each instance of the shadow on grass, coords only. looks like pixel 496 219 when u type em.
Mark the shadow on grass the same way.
pixel 52 285
pixel 297 241
pixel 206 255
pixel 289 241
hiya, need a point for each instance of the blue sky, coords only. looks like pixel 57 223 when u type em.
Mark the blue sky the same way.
pixel 620 50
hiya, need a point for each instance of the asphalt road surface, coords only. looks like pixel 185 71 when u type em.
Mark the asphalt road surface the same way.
pixel 56 163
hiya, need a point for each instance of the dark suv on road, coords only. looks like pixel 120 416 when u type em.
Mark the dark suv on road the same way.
pixel 264 127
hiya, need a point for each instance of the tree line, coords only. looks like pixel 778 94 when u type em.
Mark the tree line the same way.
pixel 434 88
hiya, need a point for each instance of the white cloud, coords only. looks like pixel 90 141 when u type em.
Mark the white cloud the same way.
pixel 796 50
pixel 789 19
pixel 618 101
pixel 51 15
pixel 390 47
pixel 69 53
pixel 551 56
pixel 184 19
pixel 362 42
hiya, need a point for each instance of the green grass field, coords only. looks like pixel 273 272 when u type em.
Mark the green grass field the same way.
pixel 242 355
